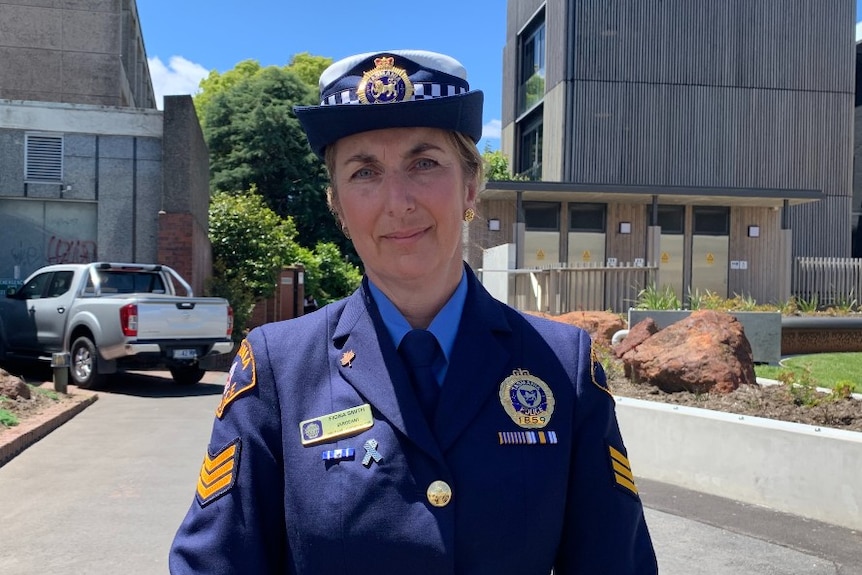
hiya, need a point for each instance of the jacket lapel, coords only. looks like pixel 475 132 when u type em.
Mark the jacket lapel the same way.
pixel 476 367
pixel 375 370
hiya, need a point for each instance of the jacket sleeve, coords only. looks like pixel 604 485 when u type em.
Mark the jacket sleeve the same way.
pixel 605 530
pixel 236 520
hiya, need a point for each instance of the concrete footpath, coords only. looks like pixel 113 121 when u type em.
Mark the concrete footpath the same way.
pixel 105 492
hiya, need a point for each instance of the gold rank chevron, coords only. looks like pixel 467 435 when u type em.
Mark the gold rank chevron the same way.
pixel 622 470
pixel 218 473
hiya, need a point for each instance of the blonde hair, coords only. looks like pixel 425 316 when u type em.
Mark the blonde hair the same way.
pixel 472 166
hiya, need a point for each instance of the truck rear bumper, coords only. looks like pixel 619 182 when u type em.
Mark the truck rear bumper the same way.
pixel 166 348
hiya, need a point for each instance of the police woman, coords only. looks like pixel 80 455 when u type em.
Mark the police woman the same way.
pixel 418 426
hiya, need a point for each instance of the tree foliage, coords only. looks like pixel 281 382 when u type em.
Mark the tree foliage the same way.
pixel 216 83
pixel 250 240
pixel 497 166
pixel 251 244
pixel 309 68
pixel 255 139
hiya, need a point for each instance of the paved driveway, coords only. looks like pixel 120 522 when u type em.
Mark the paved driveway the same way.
pixel 105 492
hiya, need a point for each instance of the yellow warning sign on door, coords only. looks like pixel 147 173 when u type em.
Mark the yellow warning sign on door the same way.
pixel 665 257
pixel 710 259
pixel 586 256
pixel 540 254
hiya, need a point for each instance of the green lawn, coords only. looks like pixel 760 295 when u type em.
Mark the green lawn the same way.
pixel 824 369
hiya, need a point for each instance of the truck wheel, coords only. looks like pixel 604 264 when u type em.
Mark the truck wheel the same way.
pixel 84 369
pixel 187 374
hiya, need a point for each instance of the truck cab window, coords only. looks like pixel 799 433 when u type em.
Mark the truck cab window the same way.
pixel 60 283
pixel 34 288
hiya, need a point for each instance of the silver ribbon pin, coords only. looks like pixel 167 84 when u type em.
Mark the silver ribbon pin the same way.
pixel 371 453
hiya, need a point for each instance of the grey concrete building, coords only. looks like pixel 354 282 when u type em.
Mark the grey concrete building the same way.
pixel 713 139
pixel 74 51
pixel 89 168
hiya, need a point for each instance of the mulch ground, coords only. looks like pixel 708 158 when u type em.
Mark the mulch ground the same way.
pixel 769 401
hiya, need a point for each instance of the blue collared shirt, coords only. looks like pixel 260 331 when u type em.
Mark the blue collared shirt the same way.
pixel 444 326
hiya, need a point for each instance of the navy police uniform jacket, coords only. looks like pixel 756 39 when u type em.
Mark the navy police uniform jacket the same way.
pixel 525 440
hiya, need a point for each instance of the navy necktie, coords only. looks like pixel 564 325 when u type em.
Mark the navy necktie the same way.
pixel 419 350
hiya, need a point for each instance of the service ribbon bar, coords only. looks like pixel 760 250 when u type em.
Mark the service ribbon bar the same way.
pixel 527 437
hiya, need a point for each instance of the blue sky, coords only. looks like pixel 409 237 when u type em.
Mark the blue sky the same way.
pixel 185 39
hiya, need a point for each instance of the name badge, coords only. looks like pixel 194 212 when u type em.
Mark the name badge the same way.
pixel 336 425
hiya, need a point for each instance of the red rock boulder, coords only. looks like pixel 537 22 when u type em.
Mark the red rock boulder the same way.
pixel 12 386
pixel 601 325
pixel 706 352
pixel 638 333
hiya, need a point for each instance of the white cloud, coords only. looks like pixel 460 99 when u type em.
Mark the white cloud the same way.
pixel 180 76
pixel 492 129
pixel 858 31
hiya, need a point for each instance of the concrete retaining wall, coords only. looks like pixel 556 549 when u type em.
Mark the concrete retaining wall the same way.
pixel 813 472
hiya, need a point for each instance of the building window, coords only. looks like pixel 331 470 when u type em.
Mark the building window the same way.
pixel 671 219
pixel 542 216
pixel 530 147
pixel 531 78
pixel 587 218
pixel 711 220
pixel 43 158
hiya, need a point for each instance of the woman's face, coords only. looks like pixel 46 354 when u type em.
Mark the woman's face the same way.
pixel 401 195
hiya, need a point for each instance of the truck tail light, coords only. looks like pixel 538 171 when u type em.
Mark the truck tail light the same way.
pixel 229 320
pixel 129 320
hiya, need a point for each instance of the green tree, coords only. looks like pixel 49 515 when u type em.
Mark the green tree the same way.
pixel 255 139
pixel 309 68
pixel 216 82
pixel 250 240
pixel 497 166
pixel 251 244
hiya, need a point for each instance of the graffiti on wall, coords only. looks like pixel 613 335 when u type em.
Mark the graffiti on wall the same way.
pixel 24 256
pixel 70 251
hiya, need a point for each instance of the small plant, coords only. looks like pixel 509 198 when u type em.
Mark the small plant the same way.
pixel 801 386
pixel 844 304
pixel 652 297
pixel 789 307
pixel 745 303
pixel 843 389
pixel 706 300
pixel 49 393
pixel 7 418
pixel 612 366
pixel 808 305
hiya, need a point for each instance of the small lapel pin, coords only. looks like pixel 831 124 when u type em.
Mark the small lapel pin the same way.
pixel 347 358
pixel 371 453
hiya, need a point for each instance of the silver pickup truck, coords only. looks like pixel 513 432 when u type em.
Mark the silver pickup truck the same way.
pixel 111 316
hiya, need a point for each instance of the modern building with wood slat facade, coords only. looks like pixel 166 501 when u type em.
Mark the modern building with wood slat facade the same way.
pixel 712 138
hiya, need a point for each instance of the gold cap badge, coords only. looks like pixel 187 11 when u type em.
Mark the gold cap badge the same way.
pixel 385 83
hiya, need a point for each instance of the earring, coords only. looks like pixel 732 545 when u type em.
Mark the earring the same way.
pixel 469 214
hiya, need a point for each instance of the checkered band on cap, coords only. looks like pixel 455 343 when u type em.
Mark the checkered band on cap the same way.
pixel 414 74
pixel 420 92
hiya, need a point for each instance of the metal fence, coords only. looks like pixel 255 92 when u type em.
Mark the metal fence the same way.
pixel 561 289
pixel 828 281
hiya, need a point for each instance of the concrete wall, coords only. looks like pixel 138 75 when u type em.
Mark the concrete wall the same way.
pixel 73 52
pixel 807 471
pixel 186 191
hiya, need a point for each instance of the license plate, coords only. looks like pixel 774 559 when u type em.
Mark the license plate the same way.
pixel 185 354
